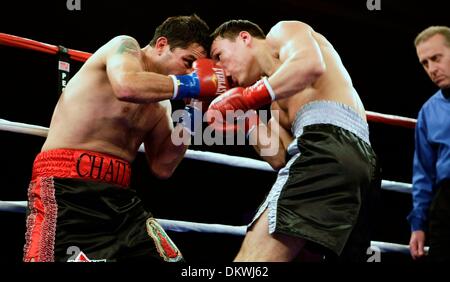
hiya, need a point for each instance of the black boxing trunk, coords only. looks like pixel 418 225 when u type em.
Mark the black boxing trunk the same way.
pixel 326 191
pixel 80 208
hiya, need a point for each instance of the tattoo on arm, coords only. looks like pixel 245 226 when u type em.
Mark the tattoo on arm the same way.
pixel 130 46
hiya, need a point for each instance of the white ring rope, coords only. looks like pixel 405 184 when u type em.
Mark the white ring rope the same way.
pixel 218 158
pixel 385 247
pixel 186 226
pixel 13 206
pixel 24 128
pixel 396 186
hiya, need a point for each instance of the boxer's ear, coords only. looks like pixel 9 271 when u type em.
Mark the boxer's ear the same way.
pixel 245 37
pixel 160 44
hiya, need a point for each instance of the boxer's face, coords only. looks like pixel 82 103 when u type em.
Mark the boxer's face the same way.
pixel 234 57
pixel 178 60
pixel 434 55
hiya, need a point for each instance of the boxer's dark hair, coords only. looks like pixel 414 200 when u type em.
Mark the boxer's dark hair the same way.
pixel 182 31
pixel 231 29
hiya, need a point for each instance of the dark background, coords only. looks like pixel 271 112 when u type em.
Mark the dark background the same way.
pixel 375 46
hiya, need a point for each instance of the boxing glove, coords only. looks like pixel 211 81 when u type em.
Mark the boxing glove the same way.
pixel 206 81
pixel 239 98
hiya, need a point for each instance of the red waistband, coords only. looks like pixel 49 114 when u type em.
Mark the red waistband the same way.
pixel 70 163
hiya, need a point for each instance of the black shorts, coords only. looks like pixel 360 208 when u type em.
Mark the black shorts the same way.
pixel 328 191
pixel 81 209
pixel 105 222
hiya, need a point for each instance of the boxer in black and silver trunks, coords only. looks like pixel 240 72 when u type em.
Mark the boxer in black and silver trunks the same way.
pixel 319 141
pixel 81 207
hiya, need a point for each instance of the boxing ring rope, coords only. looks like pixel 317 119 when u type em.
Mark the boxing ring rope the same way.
pixel 391 119
pixel 212 157
pixel 235 161
pixel 25 43
pixel 187 226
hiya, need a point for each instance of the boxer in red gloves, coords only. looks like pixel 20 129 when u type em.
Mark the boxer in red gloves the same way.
pixel 328 172
pixel 80 205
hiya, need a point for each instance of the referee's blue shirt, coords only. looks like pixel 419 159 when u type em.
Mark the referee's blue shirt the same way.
pixel 431 156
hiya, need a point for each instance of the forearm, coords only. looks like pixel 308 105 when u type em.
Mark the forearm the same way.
pixel 268 144
pixel 144 87
pixel 288 80
pixel 130 81
pixel 172 152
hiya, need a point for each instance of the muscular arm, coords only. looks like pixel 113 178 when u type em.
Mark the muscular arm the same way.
pixel 300 55
pixel 129 80
pixel 271 142
pixel 162 153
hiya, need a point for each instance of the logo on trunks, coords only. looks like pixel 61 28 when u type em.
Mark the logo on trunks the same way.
pixel 373 5
pixel 95 167
pixel 164 245
pixel 73 5
pixel 237 128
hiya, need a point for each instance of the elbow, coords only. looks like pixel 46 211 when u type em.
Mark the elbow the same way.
pixel 277 164
pixel 317 70
pixel 161 173
pixel 124 95
pixel 123 88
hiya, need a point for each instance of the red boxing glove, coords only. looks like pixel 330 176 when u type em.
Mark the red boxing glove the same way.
pixel 253 97
pixel 213 81
pixel 244 122
pixel 208 80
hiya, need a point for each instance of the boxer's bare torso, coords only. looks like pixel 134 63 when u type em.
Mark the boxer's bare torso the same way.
pixel 89 116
